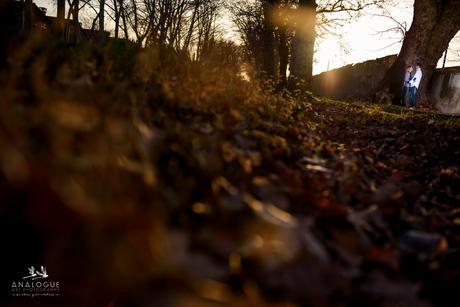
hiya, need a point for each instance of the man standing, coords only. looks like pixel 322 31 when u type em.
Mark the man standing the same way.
pixel 414 83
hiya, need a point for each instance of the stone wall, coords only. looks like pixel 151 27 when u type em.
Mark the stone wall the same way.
pixel 444 90
pixel 355 81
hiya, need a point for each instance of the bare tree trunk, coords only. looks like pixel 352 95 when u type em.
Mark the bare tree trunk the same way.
pixel 269 39
pixel 176 26
pixel 163 24
pixel 76 10
pixel 434 24
pixel 123 19
pixel 283 51
pixel 101 20
pixel 27 18
pixel 75 17
pixel 191 28
pixel 445 58
pixel 60 14
pixel 117 18
pixel 303 44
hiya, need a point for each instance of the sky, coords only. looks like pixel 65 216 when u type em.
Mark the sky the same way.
pixel 360 40
pixel 365 38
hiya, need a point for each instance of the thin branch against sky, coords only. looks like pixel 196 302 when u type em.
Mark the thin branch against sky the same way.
pixel 342 41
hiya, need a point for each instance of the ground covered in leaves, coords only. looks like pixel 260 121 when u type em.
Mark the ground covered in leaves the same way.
pixel 195 188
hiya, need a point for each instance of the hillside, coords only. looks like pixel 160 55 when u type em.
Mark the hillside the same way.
pixel 192 187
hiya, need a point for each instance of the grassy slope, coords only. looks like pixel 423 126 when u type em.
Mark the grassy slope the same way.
pixel 197 192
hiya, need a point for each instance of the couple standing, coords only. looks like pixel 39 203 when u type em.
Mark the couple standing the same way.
pixel 411 83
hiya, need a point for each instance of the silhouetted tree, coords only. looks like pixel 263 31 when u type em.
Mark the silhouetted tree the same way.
pixel 101 20
pixel 284 35
pixel 303 44
pixel 292 26
pixel 268 41
pixel 249 20
pixel 305 22
pixel 60 13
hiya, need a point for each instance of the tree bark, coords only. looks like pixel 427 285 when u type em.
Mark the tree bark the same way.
pixel 283 51
pixel 191 28
pixel 303 44
pixel 76 10
pixel 434 24
pixel 27 18
pixel 60 14
pixel 101 20
pixel 269 39
pixel 123 19
pixel 75 18
pixel 117 18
